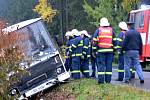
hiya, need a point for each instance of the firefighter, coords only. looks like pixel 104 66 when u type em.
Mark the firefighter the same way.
pixel 93 59
pixel 69 38
pixel 76 53
pixel 104 39
pixel 123 27
pixel 132 46
pixel 86 53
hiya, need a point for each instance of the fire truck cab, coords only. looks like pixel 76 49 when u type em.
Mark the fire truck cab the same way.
pixel 46 66
pixel 141 19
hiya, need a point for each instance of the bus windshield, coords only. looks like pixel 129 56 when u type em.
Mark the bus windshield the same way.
pixel 37 40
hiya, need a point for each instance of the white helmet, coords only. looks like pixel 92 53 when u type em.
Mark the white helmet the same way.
pixel 85 33
pixel 68 33
pixel 75 32
pixel 104 22
pixel 123 26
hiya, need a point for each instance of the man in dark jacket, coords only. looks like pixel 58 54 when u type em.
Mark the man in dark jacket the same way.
pixel 133 48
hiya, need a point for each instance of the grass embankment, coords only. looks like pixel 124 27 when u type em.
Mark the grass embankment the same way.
pixel 89 89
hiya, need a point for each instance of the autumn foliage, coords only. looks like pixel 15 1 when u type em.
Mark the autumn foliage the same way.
pixel 45 10
pixel 10 56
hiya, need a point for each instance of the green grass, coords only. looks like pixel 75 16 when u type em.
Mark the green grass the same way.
pixel 89 89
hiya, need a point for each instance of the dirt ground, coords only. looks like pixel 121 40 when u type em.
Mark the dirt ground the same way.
pixel 59 96
pixel 55 95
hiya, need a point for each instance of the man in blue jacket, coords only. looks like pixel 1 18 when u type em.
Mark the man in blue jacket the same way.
pixel 69 38
pixel 76 53
pixel 132 46
pixel 123 27
pixel 86 53
pixel 93 49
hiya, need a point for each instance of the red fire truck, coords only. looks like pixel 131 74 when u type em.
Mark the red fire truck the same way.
pixel 141 19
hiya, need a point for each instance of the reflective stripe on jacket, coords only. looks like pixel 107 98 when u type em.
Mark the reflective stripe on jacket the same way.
pixel 77 47
pixel 96 40
pixel 119 40
pixel 105 37
pixel 86 47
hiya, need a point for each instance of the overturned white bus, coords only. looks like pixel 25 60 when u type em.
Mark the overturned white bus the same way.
pixel 46 67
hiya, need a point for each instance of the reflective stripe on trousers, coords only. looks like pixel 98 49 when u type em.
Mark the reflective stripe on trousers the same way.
pixel 75 67
pixel 120 70
pixel 75 71
pixel 76 55
pixel 85 67
pixel 121 67
pixel 103 73
pixel 104 67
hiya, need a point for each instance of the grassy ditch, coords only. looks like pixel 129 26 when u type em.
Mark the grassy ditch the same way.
pixel 89 89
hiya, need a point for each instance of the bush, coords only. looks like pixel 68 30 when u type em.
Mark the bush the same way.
pixel 10 56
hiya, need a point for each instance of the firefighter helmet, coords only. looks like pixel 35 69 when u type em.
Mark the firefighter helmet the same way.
pixel 123 26
pixel 85 33
pixel 75 32
pixel 68 33
pixel 104 22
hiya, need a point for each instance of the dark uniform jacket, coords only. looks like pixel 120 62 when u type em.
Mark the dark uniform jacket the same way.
pixel 132 41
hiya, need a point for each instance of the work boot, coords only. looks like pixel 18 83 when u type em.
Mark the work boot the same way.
pixel 119 80
pixel 142 81
pixel 92 76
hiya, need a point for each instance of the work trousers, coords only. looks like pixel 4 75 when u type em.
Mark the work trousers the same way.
pixel 68 64
pixel 85 67
pixel 104 67
pixel 121 68
pixel 132 57
pixel 75 67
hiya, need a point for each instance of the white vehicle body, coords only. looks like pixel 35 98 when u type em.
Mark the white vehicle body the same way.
pixel 46 66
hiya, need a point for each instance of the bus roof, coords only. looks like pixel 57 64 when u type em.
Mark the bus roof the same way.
pixel 134 11
pixel 20 25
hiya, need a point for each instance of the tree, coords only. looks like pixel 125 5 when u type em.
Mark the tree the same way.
pixel 77 17
pixel 114 10
pixel 11 55
pixel 45 10
pixel 80 14
pixel 104 8
pixel 129 5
